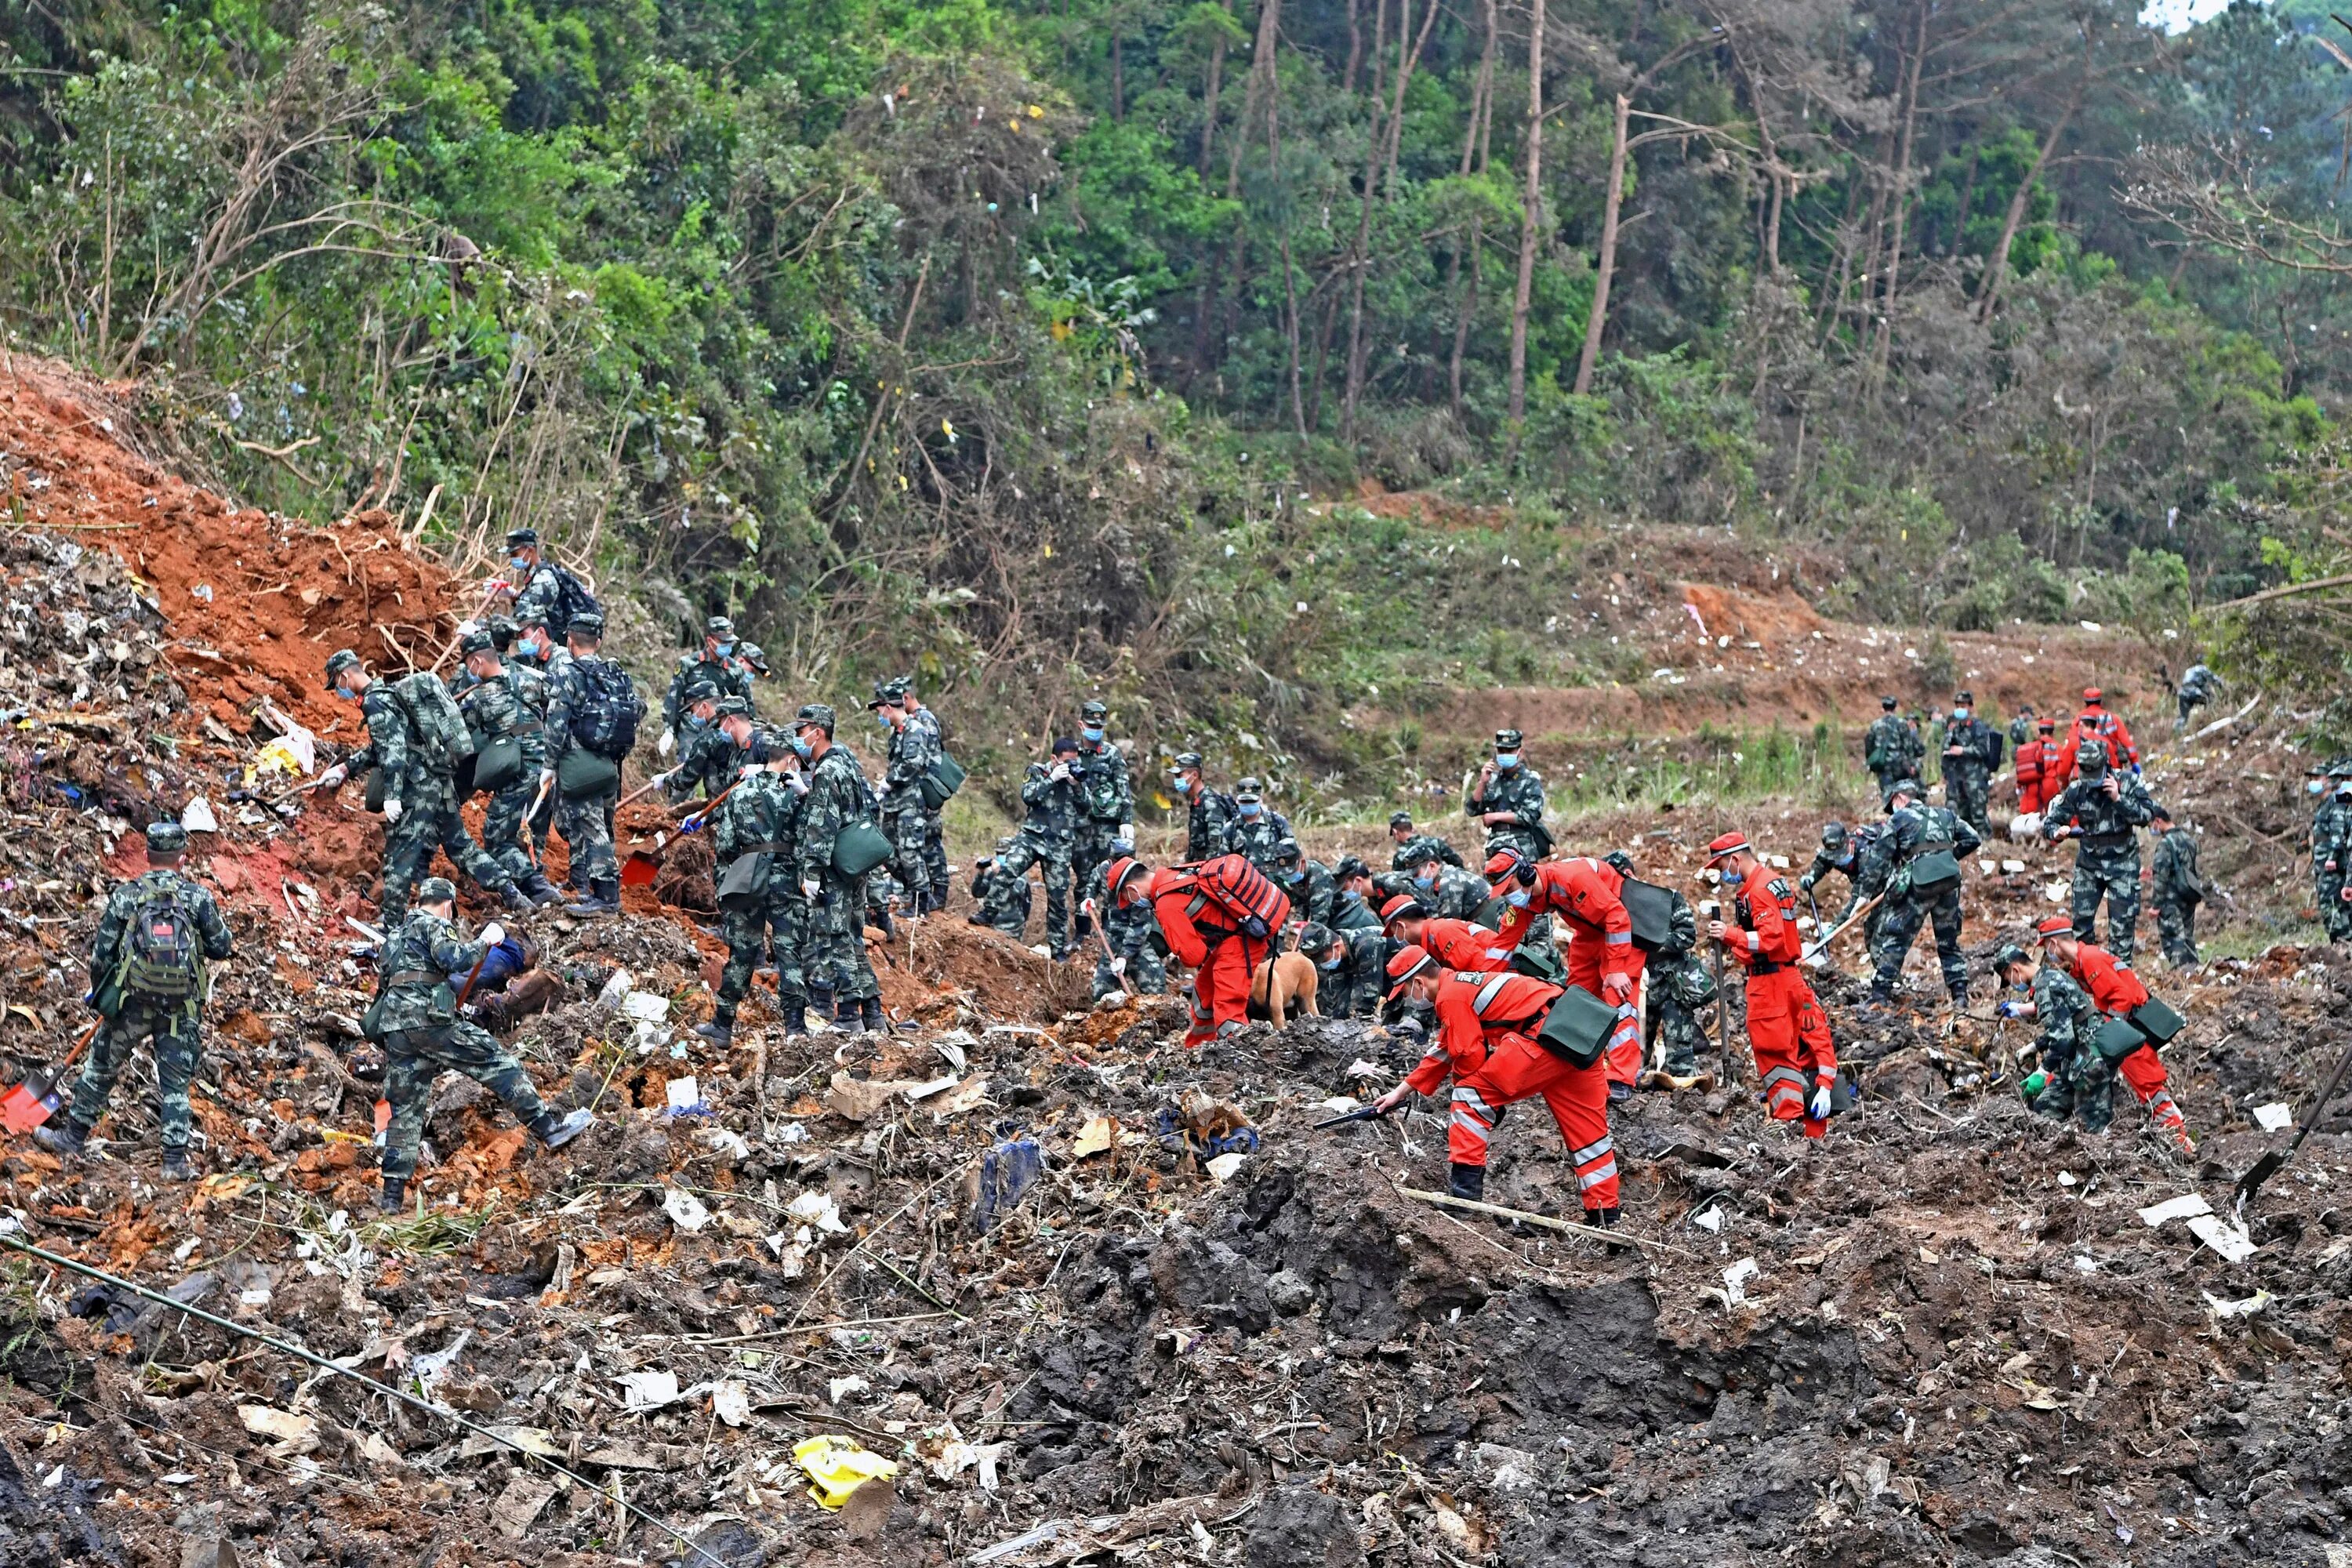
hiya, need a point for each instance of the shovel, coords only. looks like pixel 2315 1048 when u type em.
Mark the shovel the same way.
pixel 35 1101
pixel 1839 928
pixel 2268 1165
pixel 643 864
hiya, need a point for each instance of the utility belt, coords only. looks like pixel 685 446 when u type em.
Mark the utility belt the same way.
pixel 415 977
pixel 2109 841
pixel 1764 966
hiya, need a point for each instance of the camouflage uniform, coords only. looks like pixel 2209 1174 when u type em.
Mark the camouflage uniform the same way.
pixel 1047 840
pixel 1456 894
pixel 2331 859
pixel 1208 823
pixel 174 1024
pixel 1420 847
pixel 513 703
pixel 1869 877
pixel 1890 751
pixel 935 843
pixel 2080 1080
pixel 1109 803
pixel 1002 894
pixel 760 816
pixel 1968 776
pixel 1257 838
pixel 2198 686
pixel 553 596
pixel 1351 974
pixel 1851 861
pixel 2107 857
pixel 428 808
pixel 1350 912
pixel 422 1036
pixel 1313 896
pixel 708 759
pixel 1915 829
pixel 1680 990
pixel 1131 929
pixel 726 676
pixel 833 954
pixel 1520 792
pixel 585 821
pixel 913 752
pixel 2178 889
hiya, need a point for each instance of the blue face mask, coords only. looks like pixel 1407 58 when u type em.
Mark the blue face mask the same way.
pixel 1425 879
pixel 1517 900
pixel 800 747
pixel 1328 963
pixel 1094 735
pixel 1959 714
pixel 2317 786
pixel 531 647
pixel 1506 759
pixel 519 562
pixel 1733 878
pixel 1251 808
pixel 697 722
pixel 882 718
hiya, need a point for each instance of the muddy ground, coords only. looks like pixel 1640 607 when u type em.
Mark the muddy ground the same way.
pixel 1945 1333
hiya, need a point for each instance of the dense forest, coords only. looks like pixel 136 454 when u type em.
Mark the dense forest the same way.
pixel 1010 337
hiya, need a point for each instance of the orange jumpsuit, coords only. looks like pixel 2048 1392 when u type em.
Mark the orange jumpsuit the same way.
pixel 1486 1025
pixel 2033 764
pixel 1786 1026
pixel 1222 957
pixel 2115 991
pixel 1583 895
pixel 2091 723
pixel 1458 944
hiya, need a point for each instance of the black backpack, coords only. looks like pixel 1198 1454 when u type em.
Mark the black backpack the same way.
pixel 162 951
pixel 605 721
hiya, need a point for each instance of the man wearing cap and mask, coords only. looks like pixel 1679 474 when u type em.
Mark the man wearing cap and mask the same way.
pixel 420 800
pixel 1890 749
pixel 1508 796
pixel 1257 829
pixel 1450 892
pixel 1352 969
pixel 1133 962
pixel 2069 1077
pixel 1209 814
pixel 1054 796
pixel 148 982
pixel 708 760
pixel 1680 986
pixel 1001 894
pixel 760 907
pixel 1971 756
pixel 716 663
pixel 1412 848
pixel 1313 896
pixel 2102 810
pixel 1353 910
pixel 550 593
pixel 833 963
pixel 1795 1058
pixel 1581 894
pixel 913 751
pixel 1844 850
pixel 589 697
pixel 2331 849
pixel 935 845
pixel 503 703
pixel 1485 1040
pixel 1105 793
pixel 1915 831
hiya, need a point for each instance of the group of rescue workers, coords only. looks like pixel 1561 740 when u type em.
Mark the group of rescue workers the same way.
pixel 1523 979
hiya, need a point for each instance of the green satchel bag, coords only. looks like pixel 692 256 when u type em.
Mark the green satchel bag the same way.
pixel 859 848
pixel 1933 870
pixel 938 787
pixel 582 775
pixel 498 763
pixel 1577 1027
pixel 2156 1021
pixel 2118 1038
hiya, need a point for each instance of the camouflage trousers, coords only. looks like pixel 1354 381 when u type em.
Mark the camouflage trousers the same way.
pixel 1006 905
pixel 586 822
pixel 175 1026
pixel 1054 862
pixel 2081 1086
pixel 503 826
pixel 772 924
pixel 1129 929
pixel 2327 893
pixel 910 827
pixel 1967 790
pixel 935 856
pixel 2112 874
pixel 1680 990
pixel 833 951
pixel 429 821
pixel 2175 927
pixel 415 1058
pixel 1905 916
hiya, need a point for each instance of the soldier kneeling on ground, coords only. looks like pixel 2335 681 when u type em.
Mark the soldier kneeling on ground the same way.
pixel 416 1017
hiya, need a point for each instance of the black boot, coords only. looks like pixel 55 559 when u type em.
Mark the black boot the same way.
pixel 515 899
pixel 849 1015
pixel 795 1016
pixel 540 891
pixel 603 899
pixel 820 1004
pixel 1467 1181
pixel 176 1167
pixel 395 1188
pixel 556 1130
pixel 870 1009
pixel 720 1032
pixel 62 1136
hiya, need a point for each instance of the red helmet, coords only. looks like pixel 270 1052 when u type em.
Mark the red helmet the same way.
pixel 1408 966
pixel 1725 847
pixel 1404 906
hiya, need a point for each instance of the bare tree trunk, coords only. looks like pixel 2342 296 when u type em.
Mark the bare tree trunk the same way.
pixel 1959 233
pixel 1289 273
pixel 1205 320
pixel 1209 97
pixel 1901 195
pixel 1355 46
pixel 1608 266
pixel 1529 219
pixel 1997 266
pixel 1473 154
pixel 1379 175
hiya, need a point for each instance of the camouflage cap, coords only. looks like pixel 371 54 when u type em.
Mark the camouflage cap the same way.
pixel 518 537
pixel 1246 789
pixel 1833 835
pixel 751 654
pixel 436 890
pixel 1620 862
pixel 531 620
pixel 2091 748
pixel 818 715
pixel 341 659
pixel 701 691
pixel 1093 710
pixel 2339 770
pixel 1313 939
pixel 1888 703
pixel 888 691
pixel 1189 760
pixel 474 642
pixel 1400 819
pixel 1005 843
pixel 733 707
pixel 1288 849
pixel 166 839
pixel 1350 866
pixel 1904 786
pixel 502 631
pixel 590 626
pixel 719 626
pixel 2008 954
pixel 1509 739
pixel 1964 699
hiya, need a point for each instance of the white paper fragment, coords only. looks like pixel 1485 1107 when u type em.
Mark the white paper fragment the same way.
pixel 2273 1117
pixel 2187 1206
pixel 644 1007
pixel 1221 1169
pixel 840 1388
pixel 2245 1309
pixel 731 1401
pixel 2234 1244
pixel 649 1390
pixel 197 816
pixel 686 1211
pixel 819 1210
pixel 1736 1278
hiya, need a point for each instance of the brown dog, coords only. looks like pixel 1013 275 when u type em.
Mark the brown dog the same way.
pixel 1282 983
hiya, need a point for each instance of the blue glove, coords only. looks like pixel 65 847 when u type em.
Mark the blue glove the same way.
pixel 2007 1009
pixel 691 824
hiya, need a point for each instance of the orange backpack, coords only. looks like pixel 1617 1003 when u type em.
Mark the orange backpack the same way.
pixel 1240 891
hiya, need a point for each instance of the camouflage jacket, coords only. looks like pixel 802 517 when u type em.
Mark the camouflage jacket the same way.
pixel 1207 823
pixel 1910 831
pixel 761 809
pixel 2104 823
pixel 2174 874
pixel 2331 833
pixel 1891 746
pixel 106 956
pixel 1056 807
pixel 552 594
pixel 1520 792
pixel 415 962
pixel 708 760
pixel 1256 838
pixel 839 795
pixel 1354 976
pixel 2198 683
pixel 513 703
pixel 914 752
pixel 392 740
pixel 721 673
pixel 1313 896
pixel 1979 742
pixel 1110 797
pixel 1419 848
pixel 1458 894
pixel 1350 912
pixel 2063 1016
pixel 566 690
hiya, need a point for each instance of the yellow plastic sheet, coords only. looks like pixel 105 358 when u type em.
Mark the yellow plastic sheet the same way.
pixel 839 1466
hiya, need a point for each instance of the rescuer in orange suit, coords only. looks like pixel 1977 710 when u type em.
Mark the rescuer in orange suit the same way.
pixel 2115 991
pixel 1795 1058
pixel 1202 931
pixel 1583 894
pixel 1456 944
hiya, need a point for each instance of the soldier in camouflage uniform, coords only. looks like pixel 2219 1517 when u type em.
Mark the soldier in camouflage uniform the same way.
pixel 1847 850
pixel 416 1017
pixel 706 760
pixel 544 592
pixel 838 974
pixel 1681 988
pixel 1450 892
pixel 1918 828
pixel 1890 749
pixel 760 816
pixel 2199 686
pixel 1105 794
pixel 2331 849
pixel 1412 848
pixel 913 753
pixel 1508 798
pixel 1353 910
pixel 717 664
pixel 1257 829
pixel 2176 887
pixel 420 802
pixel 2020 728
pixel 500 702
pixel 2070 1077
pixel 1003 895
pixel 1351 978
pixel 584 820
pixel 2102 808
pixel 1314 895
pixel 935 845
pixel 1971 756
pixel 148 980
pixel 1054 794
pixel 1209 814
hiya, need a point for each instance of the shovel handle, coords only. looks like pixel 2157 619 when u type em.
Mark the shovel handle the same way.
pixel 81 1045
pixel 640 791
pixel 710 807
pixel 473 974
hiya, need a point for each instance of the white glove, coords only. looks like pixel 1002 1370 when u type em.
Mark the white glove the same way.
pixel 668 743
pixel 809 889
pixel 661 781
pixel 392 810
pixel 333 777
pixel 747 769
pixel 1819 1110
pixel 1119 966
pixel 547 778
pixel 1059 773
pixel 1127 831
pixel 882 790
pixel 493 934
pixel 799 781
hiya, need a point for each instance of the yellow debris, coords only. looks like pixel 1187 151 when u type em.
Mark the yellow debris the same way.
pixel 839 1466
